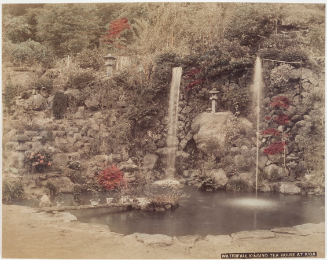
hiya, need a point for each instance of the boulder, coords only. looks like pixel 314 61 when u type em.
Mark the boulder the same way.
pixel 262 161
pixel 80 113
pixel 219 177
pixel 150 161
pixel 154 240
pixel 65 184
pixel 92 103
pixel 44 201
pixel 210 132
pixel 36 102
pixel 235 151
pixel 259 234
pixel 128 167
pixel 265 187
pixel 289 188
pixel 274 172
pixel 186 240
pixel 59 159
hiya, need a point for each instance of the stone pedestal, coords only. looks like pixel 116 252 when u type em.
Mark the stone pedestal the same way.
pixel 214 99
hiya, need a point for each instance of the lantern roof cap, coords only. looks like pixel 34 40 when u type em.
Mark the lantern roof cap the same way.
pixel 109 57
pixel 214 91
pixel 21 138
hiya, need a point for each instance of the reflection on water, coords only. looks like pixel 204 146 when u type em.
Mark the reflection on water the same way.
pixel 213 213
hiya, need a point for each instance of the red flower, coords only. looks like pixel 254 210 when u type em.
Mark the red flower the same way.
pixel 270 131
pixel 282 119
pixel 275 148
pixel 279 102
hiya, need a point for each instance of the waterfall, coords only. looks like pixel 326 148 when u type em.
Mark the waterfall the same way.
pixel 172 141
pixel 257 88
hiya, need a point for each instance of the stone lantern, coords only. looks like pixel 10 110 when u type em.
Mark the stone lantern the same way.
pixel 21 149
pixel 109 62
pixel 214 99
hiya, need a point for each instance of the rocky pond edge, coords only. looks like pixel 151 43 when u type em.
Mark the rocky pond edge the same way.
pixel 188 240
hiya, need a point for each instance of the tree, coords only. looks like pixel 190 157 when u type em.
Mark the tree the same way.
pixel 68 28
pixel 15 29
pixel 115 31
pixel 59 106
pixel 253 22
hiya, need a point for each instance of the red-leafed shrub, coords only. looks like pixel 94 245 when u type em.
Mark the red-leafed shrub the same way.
pixel 270 131
pixel 282 119
pixel 190 75
pixel 268 118
pixel 275 148
pixel 280 102
pixel 115 29
pixel 111 178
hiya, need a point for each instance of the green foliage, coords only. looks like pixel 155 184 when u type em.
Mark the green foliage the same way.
pixel 279 76
pixel 77 192
pixel 51 188
pixel 206 183
pixel 251 22
pixel 68 28
pixel 80 79
pixel 27 53
pixel 47 138
pixel 119 135
pixel 59 106
pixel 44 85
pixel 210 164
pixel 288 54
pixel 237 100
pixel 159 196
pixel 316 37
pixel 238 185
pixel 9 95
pixel 16 28
pixel 77 177
pixel 12 190
pixel 92 59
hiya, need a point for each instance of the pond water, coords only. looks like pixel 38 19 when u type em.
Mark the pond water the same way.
pixel 209 213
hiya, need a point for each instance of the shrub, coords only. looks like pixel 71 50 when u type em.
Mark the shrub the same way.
pixel 80 79
pixel 238 185
pixel 279 76
pixel 44 85
pixel 59 106
pixel 77 192
pixel 28 53
pixel 38 160
pixel 159 196
pixel 52 189
pixel 111 178
pixel 89 59
pixel 12 191
pixel 288 54
pixel 9 95
pixel 77 177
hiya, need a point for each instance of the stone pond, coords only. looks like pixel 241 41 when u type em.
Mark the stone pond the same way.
pixel 207 213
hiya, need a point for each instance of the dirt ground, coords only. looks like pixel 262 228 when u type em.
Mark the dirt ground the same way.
pixel 27 233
